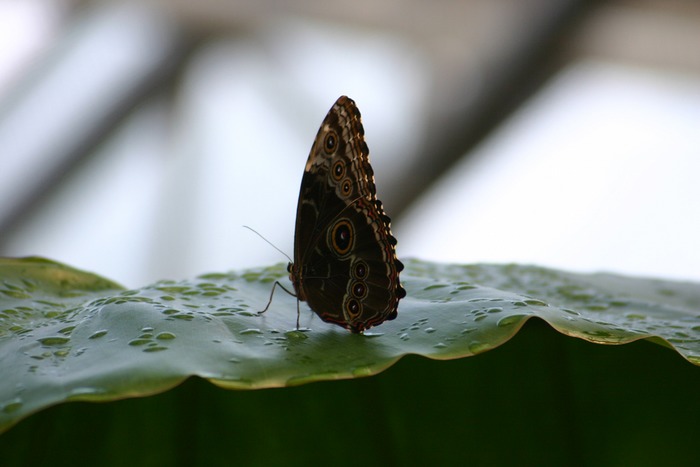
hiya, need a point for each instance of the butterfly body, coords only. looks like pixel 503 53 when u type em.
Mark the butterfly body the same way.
pixel 345 264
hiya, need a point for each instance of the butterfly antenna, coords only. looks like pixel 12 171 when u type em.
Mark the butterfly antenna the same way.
pixel 269 242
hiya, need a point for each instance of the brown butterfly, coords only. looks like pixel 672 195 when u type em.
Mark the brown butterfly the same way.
pixel 345 264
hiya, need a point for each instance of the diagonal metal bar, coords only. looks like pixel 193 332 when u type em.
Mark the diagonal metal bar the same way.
pixel 525 68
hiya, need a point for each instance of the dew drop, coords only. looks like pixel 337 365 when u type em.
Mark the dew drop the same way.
pixel 372 334
pixel 296 334
pixel 362 371
pixel 67 330
pixel 250 276
pixel 54 340
pixel 597 333
pixel 13 406
pixel 251 331
pixel 165 336
pixel 534 302
pixel 183 317
pixel 83 392
pixel 440 345
pixel 137 342
pixel 477 347
pixel 98 334
pixel 155 349
pixel 429 330
pixel 509 320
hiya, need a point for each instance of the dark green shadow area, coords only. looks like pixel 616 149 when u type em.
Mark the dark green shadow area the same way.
pixel 540 399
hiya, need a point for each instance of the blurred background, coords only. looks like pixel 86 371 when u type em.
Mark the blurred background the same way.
pixel 136 139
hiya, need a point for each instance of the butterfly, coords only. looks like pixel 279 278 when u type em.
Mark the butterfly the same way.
pixel 345 265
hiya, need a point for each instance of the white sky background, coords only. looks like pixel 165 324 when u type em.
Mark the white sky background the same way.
pixel 596 173
pixel 599 172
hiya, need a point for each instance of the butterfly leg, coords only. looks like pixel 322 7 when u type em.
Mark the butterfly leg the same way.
pixel 272 292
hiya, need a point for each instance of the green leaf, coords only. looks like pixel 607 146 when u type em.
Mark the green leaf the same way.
pixel 68 335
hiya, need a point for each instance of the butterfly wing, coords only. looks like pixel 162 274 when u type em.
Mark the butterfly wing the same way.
pixel 345 263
